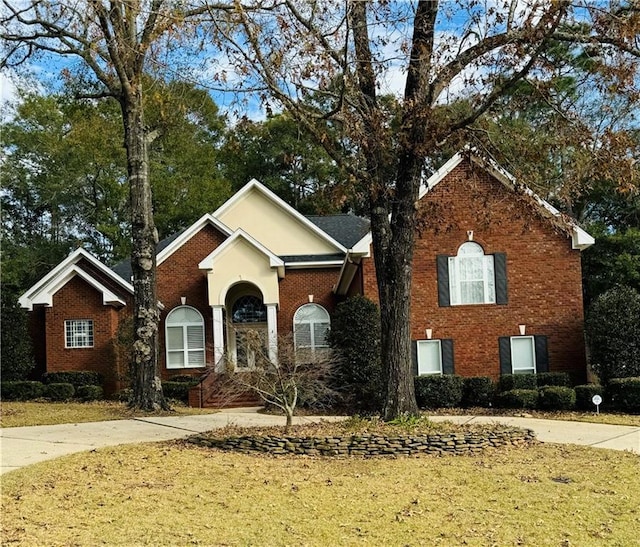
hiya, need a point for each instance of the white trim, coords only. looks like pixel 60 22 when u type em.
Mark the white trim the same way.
pixel 580 239
pixel 192 230
pixel 42 292
pixel 363 247
pixel 185 350
pixel 218 338
pixel 272 332
pixel 274 260
pixel 257 185
pixel 533 355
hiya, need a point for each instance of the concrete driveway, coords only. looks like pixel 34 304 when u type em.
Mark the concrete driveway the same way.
pixel 22 446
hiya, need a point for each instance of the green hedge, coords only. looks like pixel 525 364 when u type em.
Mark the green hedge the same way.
pixel 624 394
pixel 90 393
pixel 21 390
pixel 509 382
pixel 185 378
pixel 76 378
pixel 518 398
pixel 585 393
pixel 177 390
pixel 478 391
pixel 59 391
pixel 438 391
pixel 553 379
pixel 556 398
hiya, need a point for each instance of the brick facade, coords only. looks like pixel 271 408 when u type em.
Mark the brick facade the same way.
pixel 543 275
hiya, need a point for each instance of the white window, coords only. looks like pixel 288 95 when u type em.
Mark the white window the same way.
pixel 523 355
pixel 471 276
pixel 78 333
pixel 184 329
pixel 311 328
pixel 429 357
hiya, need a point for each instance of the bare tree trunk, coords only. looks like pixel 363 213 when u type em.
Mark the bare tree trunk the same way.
pixel 147 389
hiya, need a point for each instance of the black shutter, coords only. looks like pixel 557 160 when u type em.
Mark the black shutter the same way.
pixel 500 271
pixel 542 354
pixel 446 346
pixel 504 342
pixel 414 357
pixel 443 281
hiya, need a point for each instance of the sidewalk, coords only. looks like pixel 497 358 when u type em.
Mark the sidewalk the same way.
pixel 22 446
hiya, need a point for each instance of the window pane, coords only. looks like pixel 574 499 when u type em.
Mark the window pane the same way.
pixel 472 292
pixel 175 359
pixel 183 315
pixel 302 335
pixel 523 354
pixel 196 358
pixel 78 333
pixel 195 337
pixel 429 357
pixel 311 312
pixel 174 338
pixel 320 332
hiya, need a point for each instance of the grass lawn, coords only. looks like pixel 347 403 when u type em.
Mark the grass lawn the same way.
pixel 16 414
pixel 179 494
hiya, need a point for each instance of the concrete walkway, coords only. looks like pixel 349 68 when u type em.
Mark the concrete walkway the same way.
pixel 22 446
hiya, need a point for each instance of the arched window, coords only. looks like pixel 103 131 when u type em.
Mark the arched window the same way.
pixel 471 276
pixel 310 328
pixel 249 309
pixel 185 338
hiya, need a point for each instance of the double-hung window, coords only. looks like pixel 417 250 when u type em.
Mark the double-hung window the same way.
pixel 311 328
pixel 185 338
pixel 78 333
pixel 471 276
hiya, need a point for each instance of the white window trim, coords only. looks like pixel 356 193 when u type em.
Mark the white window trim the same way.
pixel 71 335
pixel 515 370
pixel 313 347
pixel 425 343
pixel 185 350
pixel 455 292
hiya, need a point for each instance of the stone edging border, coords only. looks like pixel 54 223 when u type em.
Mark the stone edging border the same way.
pixel 371 444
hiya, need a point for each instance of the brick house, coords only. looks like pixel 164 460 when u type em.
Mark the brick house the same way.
pixel 496 284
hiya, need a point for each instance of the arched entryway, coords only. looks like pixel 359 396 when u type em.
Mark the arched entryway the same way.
pixel 246 325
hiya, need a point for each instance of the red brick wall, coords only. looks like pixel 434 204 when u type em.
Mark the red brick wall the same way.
pixel 79 300
pixel 295 289
pixel 543 275
pixel 179 276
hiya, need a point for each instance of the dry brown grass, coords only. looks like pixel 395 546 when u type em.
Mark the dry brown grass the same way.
pixel 17 414
pixel 178 494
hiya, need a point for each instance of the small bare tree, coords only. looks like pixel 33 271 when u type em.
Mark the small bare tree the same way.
pixel 295 376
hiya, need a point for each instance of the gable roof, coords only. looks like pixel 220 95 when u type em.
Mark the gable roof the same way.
pixel 580 239
pixel 42 292
pixel 255 185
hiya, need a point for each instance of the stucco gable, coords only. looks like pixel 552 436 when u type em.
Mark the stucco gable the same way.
pixel 42 292
pixel 278 226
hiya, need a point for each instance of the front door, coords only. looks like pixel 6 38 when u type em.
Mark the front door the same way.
pixel 250 345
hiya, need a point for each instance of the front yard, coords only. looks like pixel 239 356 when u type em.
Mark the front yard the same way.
pixel 180 494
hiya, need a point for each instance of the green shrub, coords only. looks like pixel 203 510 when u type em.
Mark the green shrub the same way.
pixel 517 398
pixel 355 340
pixel 437 391
pixel 553 379
pixel 624 394
pixel 123 396
pixel 509 382
pixel 59 391
pixel 89 393
pixel 16 351
pixel 478 391
pixel 76 378
pixel 585 393
pixel 21 390
pixel 556 398
pixel 177 390
pixel 613 333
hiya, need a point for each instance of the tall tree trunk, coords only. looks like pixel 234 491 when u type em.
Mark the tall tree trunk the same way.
pixel 147 388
